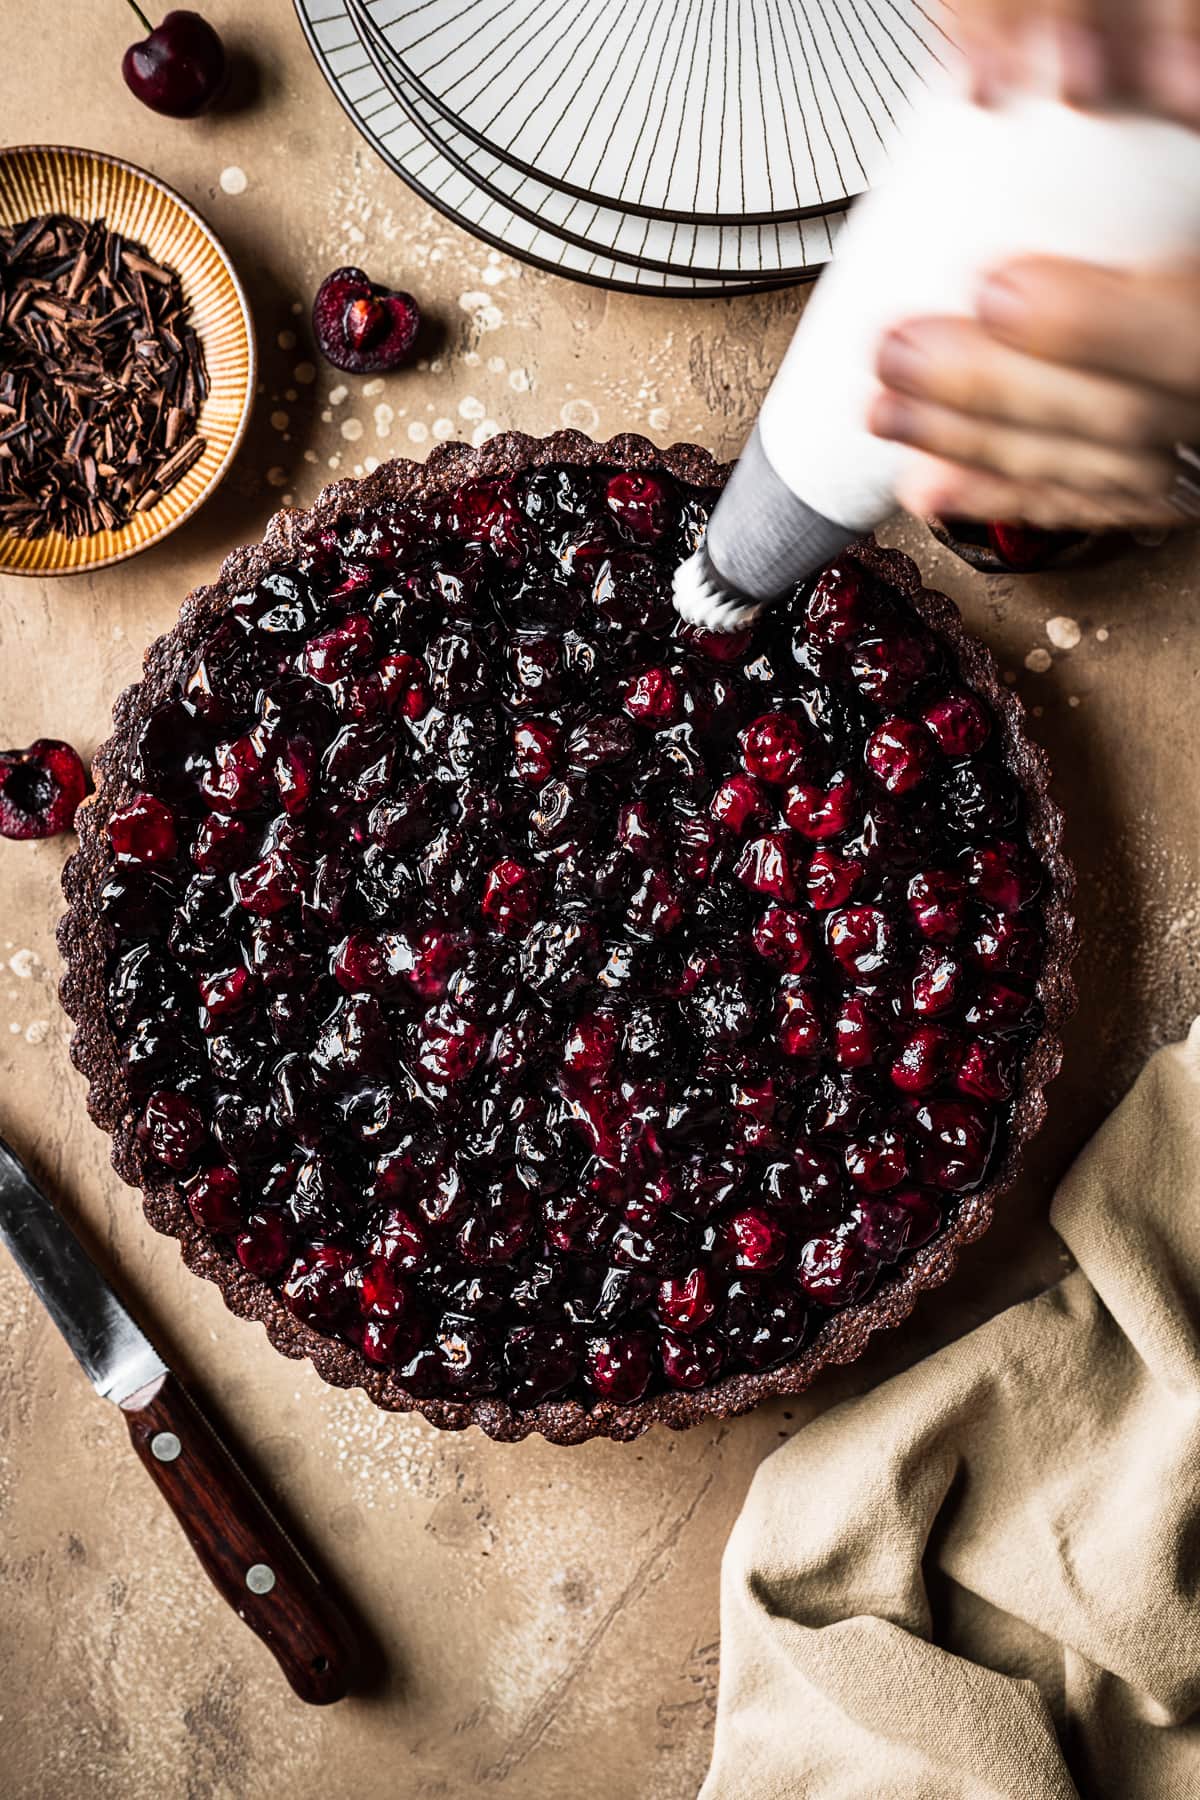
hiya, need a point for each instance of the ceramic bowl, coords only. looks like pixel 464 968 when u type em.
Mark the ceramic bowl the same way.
pixel 49 178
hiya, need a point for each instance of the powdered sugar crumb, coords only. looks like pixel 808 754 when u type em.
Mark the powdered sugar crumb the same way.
pixel 579 415
pixel 1064 632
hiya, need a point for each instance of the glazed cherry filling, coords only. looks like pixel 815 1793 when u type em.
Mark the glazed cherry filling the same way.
pixel 546 998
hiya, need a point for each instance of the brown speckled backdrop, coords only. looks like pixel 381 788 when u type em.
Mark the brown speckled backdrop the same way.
pixel 549 1616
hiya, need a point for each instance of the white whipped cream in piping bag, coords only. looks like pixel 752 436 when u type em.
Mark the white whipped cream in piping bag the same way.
pixel 967 187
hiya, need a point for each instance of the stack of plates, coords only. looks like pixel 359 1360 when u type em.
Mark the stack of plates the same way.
pixel 662 146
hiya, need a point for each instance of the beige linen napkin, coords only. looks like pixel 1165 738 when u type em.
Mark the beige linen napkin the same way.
pixel 982 1578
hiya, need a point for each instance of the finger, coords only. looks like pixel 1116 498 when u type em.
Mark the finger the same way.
pixel 1166 56
pixel 930 486
pixel 1036 456
pixel 1056 47
pixel 987 34
pixel 1143 326
pixel 1068 53
pixel 958 363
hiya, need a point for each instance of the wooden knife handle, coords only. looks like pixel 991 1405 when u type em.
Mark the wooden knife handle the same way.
pixel 247 1555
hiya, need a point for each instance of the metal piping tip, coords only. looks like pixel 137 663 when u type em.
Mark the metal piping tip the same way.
pixel 701 599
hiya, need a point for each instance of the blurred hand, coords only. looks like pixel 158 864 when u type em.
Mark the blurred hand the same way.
pixel 1059 404
pixel 1092 51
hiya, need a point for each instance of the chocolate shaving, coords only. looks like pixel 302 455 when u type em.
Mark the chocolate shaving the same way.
pixel 102 379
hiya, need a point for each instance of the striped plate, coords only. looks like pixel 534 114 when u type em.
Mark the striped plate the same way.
pixel 402 143
pixel 706 111
pixel 49 178
pixel 787 250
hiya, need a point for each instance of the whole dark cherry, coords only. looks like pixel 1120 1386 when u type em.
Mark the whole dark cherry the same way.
pixel 691 1362
pixel 835 1270
pixel 891 1224
pixel 619 1365
pixel 899 754
pixel 179 67
pixel 639 503
pixel 143 830
pixel 686 1302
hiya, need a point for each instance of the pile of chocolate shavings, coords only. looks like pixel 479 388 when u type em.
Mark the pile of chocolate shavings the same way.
pixel 102 379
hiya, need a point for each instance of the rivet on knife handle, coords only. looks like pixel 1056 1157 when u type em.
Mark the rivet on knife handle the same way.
pixel 244 1550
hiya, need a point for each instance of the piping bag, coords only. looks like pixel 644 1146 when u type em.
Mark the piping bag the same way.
pixel 967 187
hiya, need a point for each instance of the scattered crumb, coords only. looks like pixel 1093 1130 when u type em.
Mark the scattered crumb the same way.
pixel 1064 633
pixel 485 314
pixel 1038 661
pixel 233 180
pixel 579 415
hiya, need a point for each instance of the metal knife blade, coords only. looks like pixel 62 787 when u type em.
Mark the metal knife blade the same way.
pixel 115 1353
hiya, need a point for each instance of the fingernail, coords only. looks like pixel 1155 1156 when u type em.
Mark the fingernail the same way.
pixel 901 362
pixel 999 302
pixel 1171 76
pixel 1083 64
pixel 891 416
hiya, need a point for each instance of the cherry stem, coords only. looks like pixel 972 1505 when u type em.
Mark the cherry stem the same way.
pixel 141 15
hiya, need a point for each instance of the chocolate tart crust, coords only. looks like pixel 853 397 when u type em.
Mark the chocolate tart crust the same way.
pixel 842 1336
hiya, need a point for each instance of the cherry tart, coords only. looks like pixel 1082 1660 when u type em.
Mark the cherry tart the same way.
pixel 537 1012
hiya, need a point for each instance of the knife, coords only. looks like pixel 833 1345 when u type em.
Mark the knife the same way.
pixel 247 1555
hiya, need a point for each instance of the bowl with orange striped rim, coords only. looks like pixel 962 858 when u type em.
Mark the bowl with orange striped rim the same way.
pixel 52 178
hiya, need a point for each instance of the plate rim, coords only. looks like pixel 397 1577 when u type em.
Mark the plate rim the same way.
pixel 10 153
pixel 369 36
pixel 726 291
pixel 783 216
